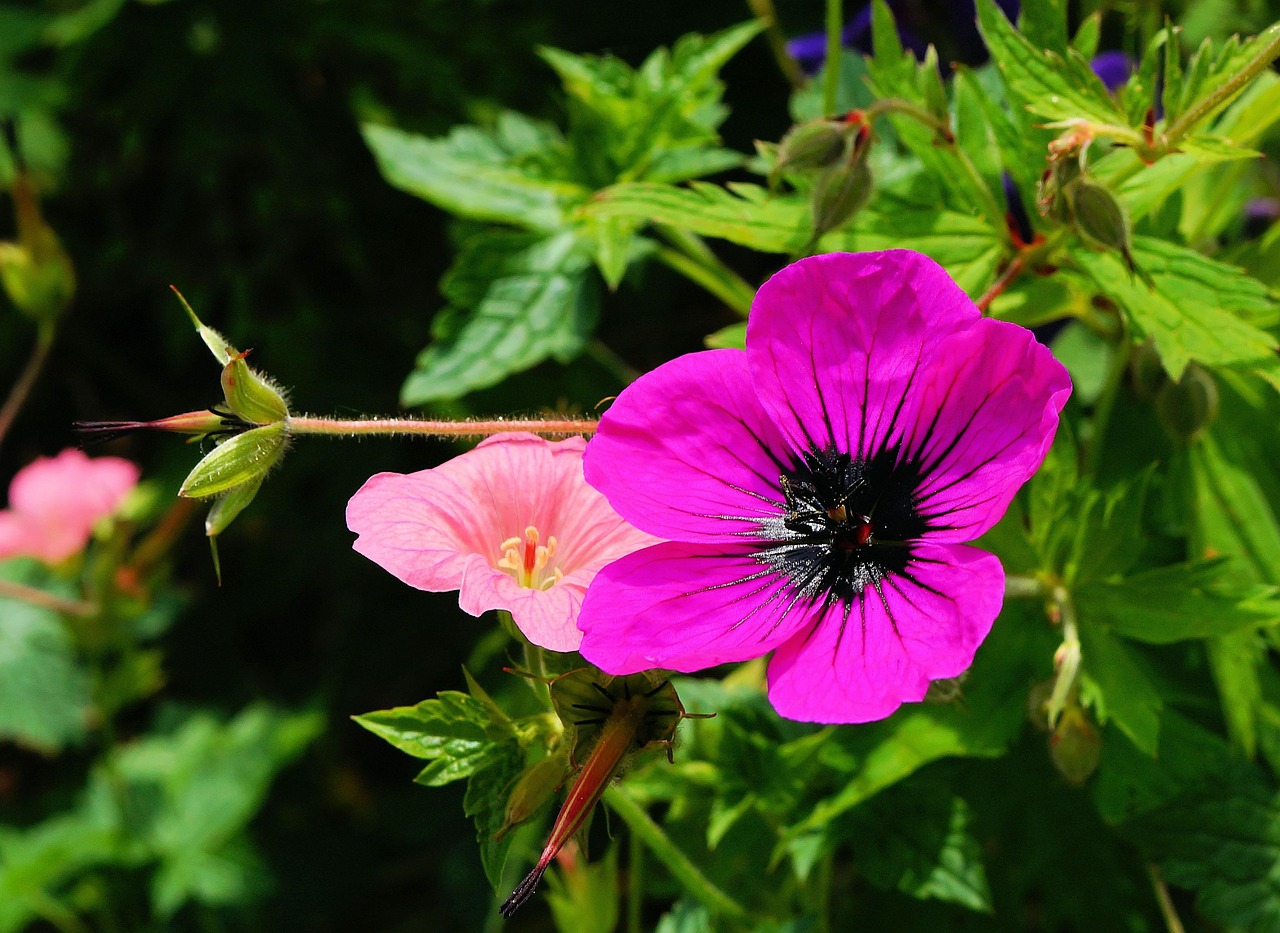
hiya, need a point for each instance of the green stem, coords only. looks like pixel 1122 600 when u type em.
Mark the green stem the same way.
pixel 679 864
pixel 1068 656
pixel 1170 913
pixel 1017 586
pixel 692 258
pixel 401 427
pixel 764 11
pixel 823 894
pixel 10 589
pixel 1227 90
pixel 831 69
pixel 619 368
pixel 635 884
pixel 26 381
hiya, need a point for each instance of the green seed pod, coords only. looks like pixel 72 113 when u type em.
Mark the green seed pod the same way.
pixel 1146 371
pixel 250 395
pixel 237 461
pixel 1187 407
pixel 1075 746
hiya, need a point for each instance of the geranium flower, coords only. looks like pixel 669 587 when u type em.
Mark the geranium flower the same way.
pixel 816 488
pixel 54 502
pixel 511 524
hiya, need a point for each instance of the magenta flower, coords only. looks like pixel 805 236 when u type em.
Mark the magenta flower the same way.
pixel 816 488
pixel 511 525
pixel 54 502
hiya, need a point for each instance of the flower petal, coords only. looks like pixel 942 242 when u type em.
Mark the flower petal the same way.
pixel 862 663
pixel 986 410
pixel 836 341
pixel 685 607
pixel 686 452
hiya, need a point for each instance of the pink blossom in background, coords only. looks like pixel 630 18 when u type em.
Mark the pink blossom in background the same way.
pixel 54 502
pixel 816 489
pixel 511 525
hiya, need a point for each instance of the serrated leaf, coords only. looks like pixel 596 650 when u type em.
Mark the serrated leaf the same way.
pixel 918 839
pixel 1178 602
pixel 537 303
pixel 44 694
pixel 1195 311
pixel 1221 840
pixel 1117 687
pixel 485 802
pixel 470 173
pixel 1050 85
pixel 1215 149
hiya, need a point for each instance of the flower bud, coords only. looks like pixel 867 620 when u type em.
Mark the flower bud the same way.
pixel 840 191
pixel 1146 371
pixel 815 144
pixel 250 395
pixel 1075 746
pixel 1187 407
pixel 533 789
pixel 1098 217
pixel 35 270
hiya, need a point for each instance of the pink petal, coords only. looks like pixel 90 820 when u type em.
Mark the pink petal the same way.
pixel 836 341
pixel 986 412
pixel 687 453
pixel 442 529
pixel 61 498
pixel 860 664
pixel 685 607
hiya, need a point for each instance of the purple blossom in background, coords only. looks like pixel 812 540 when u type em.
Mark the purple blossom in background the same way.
pixel 1114 68
pixel 816 489
pixel 955 32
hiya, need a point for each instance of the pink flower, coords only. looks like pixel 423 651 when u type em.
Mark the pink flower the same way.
pixel 54 502
pixel 511 525
pixel 816 488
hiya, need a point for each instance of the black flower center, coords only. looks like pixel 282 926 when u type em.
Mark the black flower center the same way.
pixel 847 523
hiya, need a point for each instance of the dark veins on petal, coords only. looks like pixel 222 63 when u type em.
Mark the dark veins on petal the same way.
pixel 847 523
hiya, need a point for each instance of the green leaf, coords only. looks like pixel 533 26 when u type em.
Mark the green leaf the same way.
pixel 485 802
pixel 730 337
pixel 1197 309
pixel 475 174
pixel 1178 602
pixel 918 838
pixel 1053 86
pixel 453 732
pixel 37 862
pixel 537 302
pixel 1221 840
pixel 190 795
pixel 1117 687
pixel 44 694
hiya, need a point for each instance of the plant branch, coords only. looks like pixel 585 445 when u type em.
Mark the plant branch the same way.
pixel 26 381
pixel 831 66
pixel 764 11
pixel 10 589
pixel 417 427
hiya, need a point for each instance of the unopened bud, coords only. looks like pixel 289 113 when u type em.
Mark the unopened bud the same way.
pixel 533 790
pixel 1051 199
pixel 839 193
pixel 35 270
pixel 1186 407
pixel 815 144
pixel 1075 746
pixel 251 395
pixel 1098 217
pixel 1146 371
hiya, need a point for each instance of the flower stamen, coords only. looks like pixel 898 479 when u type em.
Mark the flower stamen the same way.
pixel 528 561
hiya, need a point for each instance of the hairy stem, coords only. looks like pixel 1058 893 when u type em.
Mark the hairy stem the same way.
pixel 419 427
pixel 1222 94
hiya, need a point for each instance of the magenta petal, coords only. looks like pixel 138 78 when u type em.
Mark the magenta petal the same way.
pixel 986 413
pixel 687 453
pixel 860 664
pixel 685 607
pixel 835 342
